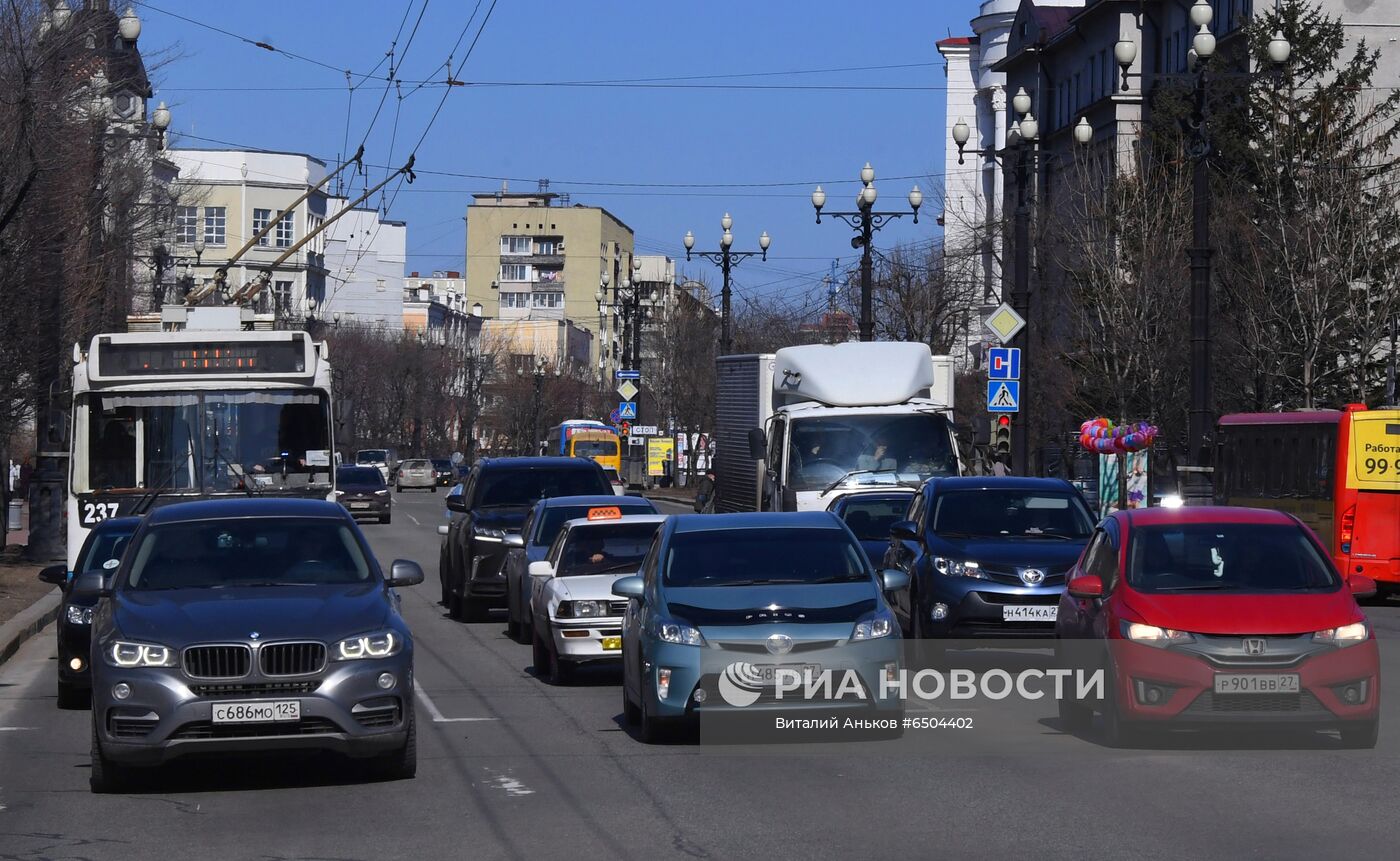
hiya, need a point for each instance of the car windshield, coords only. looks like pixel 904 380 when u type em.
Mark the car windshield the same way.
pixel 594 448
pixel 871 519
pixel 1007 513
pixel 102 548
pixel 356 475
pixel 1230 557
pixel 752 557
pixel 508 487
pixel 415 464
pixel 605 549
pixel 553 518
pixel 372 456
pixel 890 449
pixel 281 551
pixel 442 465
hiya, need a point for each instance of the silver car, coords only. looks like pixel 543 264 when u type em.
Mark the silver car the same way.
pixel 250 625
pixel 418 474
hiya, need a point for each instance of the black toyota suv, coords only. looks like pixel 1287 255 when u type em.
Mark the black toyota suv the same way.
pixel 490 509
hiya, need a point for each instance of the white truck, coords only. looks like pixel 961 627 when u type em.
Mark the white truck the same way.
pixel 801 427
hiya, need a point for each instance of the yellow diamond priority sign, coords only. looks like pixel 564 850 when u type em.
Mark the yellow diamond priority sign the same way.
pixel 1005 323
pixel 627 389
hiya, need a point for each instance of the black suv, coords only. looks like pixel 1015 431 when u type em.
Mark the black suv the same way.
pixel 491 507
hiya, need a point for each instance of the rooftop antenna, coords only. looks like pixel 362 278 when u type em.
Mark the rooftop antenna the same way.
pixel 830 281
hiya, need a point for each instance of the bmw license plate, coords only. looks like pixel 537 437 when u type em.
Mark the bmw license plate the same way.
pixel 257 712
pixel 1029 613
pixel 1256 683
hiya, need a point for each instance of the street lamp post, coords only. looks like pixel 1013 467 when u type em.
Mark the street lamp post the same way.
pixel 865 221
pixel 1024 147
pixel 726 258
pixel 1197 488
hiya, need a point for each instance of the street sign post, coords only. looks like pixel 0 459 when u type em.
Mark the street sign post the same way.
pixel 627 410
pixel 1004 363
pixel 1003 396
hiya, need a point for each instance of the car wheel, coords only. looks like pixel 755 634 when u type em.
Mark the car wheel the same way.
pixel 402 764
pixel 561 672
pixel 1118 731
pixel 513 630
pixel 385 518
pixel 1075 717
pixel 454 607
pixel 105 776
pixel 539 655
pixel 653 729
pixel 71 697
pixel 630 713
pixel 398 488
pixel 434 488
pixel 1360 735
pixel 475 610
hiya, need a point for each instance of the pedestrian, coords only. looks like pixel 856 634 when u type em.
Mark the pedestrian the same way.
pixel 999 467
pixel 705 493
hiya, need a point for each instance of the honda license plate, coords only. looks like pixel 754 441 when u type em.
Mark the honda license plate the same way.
pixel 257 712
pixel 1256 683
pixel 1029 613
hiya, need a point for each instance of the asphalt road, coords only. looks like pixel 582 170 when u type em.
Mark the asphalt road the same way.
pixel 510 767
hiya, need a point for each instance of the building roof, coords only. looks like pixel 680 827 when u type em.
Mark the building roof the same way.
pixel 957 41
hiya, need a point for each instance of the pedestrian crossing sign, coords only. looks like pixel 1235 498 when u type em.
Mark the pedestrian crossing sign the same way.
pixel 1003 396
pixel 627 409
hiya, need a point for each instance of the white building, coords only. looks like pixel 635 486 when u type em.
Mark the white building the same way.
pixel 365 256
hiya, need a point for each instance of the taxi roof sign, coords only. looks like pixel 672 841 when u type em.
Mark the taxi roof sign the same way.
pixel 609 513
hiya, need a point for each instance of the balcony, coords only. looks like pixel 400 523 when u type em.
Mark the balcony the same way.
pixel 553 258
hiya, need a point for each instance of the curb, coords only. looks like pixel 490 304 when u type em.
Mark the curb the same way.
pixel 30 621
pixel 677 500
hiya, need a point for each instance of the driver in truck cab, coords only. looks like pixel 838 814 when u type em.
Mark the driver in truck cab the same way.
pixel 879 458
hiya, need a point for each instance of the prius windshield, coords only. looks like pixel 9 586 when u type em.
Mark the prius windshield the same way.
pixel 757 557
pixel 214 554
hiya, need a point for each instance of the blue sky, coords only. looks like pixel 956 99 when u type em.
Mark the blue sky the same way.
pixel 674 157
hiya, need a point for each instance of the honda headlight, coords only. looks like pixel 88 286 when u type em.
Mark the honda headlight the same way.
pixel 127 655
pixel 873 627
pixel 581 609
pixel 958 568
pixel 1346 635
pixel 79 615
pixel 672 631
pixel 381 645
pixel 1151 635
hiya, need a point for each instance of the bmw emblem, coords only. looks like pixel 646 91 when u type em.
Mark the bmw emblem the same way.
pixel 779 644
pixel 254 635
pixel 1032 576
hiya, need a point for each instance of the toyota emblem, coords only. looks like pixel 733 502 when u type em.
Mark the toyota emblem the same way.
pixel 779 644
pixel 1032 576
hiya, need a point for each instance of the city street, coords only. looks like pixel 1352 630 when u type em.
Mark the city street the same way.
pixel 510 767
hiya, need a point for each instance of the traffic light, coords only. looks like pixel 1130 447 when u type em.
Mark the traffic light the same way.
pixel 1001 435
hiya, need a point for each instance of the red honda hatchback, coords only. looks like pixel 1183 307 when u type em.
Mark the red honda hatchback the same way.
pixel 1218 616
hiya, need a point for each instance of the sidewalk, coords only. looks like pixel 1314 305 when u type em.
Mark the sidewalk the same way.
pixel 26 603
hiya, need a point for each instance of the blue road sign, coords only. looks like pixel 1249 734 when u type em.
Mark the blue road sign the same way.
pixel 1003 396
pixel 1004 363
pixel 628 375
pixel 627 410
pixel 614 417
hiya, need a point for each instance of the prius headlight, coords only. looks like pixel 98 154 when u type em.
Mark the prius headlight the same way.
pixel 125 654
pixel 381 645
pixel 873 627
pixel 673 631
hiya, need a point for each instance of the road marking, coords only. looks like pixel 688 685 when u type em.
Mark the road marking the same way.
pixel 414 519
pixel 15 728
pixel 511 785
pixel 436 713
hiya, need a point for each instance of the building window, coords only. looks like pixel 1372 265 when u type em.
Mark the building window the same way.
pixel 515 300
pixel 515 245
pixel 285 228
pixel 260 219
pixel 379 285
pixel 549 300
pixel 282 297
pixel 215 225
pixel 186 224
pixel 515 272
pixel 549 246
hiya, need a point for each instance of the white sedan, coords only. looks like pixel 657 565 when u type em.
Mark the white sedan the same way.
pixel 577 618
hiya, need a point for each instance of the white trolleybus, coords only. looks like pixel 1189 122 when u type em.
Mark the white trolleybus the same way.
pixel 206 409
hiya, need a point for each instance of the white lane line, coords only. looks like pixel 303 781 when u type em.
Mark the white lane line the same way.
pixel 509 784
pixel 16 728
pixel 437 715
pixel 414 519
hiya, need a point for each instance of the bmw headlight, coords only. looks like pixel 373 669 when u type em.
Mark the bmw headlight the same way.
pixel 1346 635
pixel 381 645
pixel 873 627
pixel 958 568
pixel 126 655
pixel 672 631
pixel 486 533
pixel 78 615
pixel 1151 635
pixel 581 609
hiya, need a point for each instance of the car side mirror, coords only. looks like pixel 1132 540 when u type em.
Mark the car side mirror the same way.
pixel 541 569
pixel 455 502
pixel 894 579
pixel 1086 586
pixel 55 574
pixel 513 539
pixel 442 529
pixel 91 583
pixel 405 573
pixel 628 587
pixel 758 444
pixel 1362 586
pixel 905 530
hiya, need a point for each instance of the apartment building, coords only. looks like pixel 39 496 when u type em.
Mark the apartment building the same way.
pixel 364 260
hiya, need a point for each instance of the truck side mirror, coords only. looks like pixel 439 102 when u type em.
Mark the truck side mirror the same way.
pixel 758 444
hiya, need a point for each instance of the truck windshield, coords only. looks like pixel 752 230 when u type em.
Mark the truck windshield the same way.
pixel 203 441
pixel 895 448
pixel 371 456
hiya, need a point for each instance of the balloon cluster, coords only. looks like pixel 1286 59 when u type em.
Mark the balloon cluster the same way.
pixel 1102 436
